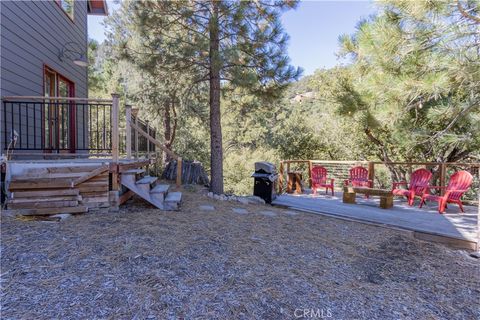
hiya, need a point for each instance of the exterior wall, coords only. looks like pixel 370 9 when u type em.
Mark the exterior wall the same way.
pixel 31 36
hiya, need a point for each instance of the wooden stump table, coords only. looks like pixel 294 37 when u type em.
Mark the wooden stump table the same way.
pixel 294 182
pixel 386 196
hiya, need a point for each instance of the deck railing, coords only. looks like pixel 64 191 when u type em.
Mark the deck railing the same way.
pixel 52 125
pixel 138 131
pixel 383 174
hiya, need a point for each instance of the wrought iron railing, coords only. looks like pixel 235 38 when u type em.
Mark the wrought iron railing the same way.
pixel 55 125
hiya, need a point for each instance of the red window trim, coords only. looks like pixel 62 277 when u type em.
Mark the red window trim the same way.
pixel 72 120
pixel 71 18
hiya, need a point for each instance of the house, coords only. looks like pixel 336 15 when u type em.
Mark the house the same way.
pixel 60 148
pixel 43 53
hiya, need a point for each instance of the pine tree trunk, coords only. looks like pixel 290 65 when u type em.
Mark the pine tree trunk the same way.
pixel 216 151
pixel 167 131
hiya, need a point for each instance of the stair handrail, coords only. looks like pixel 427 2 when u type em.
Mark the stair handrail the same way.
pixel 151 139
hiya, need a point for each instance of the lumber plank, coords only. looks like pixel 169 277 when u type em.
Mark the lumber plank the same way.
pixel 42 204
pixel 90 175
pixel 129 166
pixel 95 188
pixel 49 211
pixel 96 199
pixel 46 199
pixel 72 175
pixel 61 170
pixel 126 196
pixel 40 184
pixel 45 193
pixel 95 194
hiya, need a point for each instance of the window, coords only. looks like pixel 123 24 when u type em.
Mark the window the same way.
pixel 67 6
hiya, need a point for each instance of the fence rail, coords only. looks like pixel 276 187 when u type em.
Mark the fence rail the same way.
pixel 383 174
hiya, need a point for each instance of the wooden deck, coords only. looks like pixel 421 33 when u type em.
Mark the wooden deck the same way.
pixel 452 228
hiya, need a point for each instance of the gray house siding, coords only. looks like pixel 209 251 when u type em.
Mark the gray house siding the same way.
pixel 31 36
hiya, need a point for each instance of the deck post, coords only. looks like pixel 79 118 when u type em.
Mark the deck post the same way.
pixel 128 133
pixel 280 178
pixel 136 137
pixel 310 167
pixel 443 177
pixel 179 172
pixel 115 136
pixel 371 172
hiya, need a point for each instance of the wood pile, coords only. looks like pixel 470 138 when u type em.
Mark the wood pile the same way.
pixel 44 191
pixel 192 172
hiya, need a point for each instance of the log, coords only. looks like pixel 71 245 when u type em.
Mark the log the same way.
pixel 192 172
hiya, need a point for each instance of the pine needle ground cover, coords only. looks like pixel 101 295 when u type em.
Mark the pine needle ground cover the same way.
pixel 213 261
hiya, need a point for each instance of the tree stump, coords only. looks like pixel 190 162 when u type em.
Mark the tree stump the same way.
pixel 192 172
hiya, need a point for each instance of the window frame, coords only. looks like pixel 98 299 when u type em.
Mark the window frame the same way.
pixel 72 131
pixel 72 16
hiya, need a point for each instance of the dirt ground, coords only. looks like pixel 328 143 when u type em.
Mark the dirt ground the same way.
pixel 199 263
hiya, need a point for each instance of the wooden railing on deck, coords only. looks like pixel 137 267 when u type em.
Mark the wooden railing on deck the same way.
pixel 131 124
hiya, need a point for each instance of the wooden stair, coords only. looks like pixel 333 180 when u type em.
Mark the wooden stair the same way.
pixel 147 188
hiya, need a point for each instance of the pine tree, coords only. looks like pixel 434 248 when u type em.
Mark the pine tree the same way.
pixel 237 42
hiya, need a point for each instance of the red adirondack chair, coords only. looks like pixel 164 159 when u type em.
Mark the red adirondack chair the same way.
pixel 459 183
pixel 359 178
pixel 319 179
pixel 419 179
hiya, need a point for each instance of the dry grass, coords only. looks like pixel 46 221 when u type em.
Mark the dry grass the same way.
pixel 142 263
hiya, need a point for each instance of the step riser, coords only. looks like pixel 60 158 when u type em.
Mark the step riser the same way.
pixel 160 197
pixel 155 198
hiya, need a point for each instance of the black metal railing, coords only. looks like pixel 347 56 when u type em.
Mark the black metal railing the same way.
pixel 57 125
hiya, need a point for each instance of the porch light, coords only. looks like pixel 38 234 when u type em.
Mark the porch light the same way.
pixel 69 52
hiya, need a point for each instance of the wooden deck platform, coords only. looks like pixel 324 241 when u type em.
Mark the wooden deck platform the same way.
pixel 452 228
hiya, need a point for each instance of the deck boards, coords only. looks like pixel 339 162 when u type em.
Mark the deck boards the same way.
pixel 427 220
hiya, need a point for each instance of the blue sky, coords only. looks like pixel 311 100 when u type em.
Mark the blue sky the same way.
pixel 313 28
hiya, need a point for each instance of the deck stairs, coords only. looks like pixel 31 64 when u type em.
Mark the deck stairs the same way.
pixel 148 189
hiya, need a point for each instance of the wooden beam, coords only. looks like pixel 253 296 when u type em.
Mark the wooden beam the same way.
pixel 443 178
pixel 91 174
pixel 155 141
pixel 44 193
pixel 40 184
pixel 125 197
pixel 42 204
pixel 179 172
pixel 371 172
pixel 128 133
pixel 115 136
pixel 129 166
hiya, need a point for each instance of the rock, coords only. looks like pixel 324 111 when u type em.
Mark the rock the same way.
pixel 243 200
pixel 291 213
pixel 240 210
pixel 223 197
pixel 206 207
pixel 62 216
pixel 255 199
pixel 210 194
pixel 217 197
pixel 268 213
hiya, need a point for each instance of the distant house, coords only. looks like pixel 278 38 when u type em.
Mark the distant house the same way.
pixel 43 53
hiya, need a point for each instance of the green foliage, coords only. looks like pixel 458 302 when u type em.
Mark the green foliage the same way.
pixel 410 92
pixel 240 166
